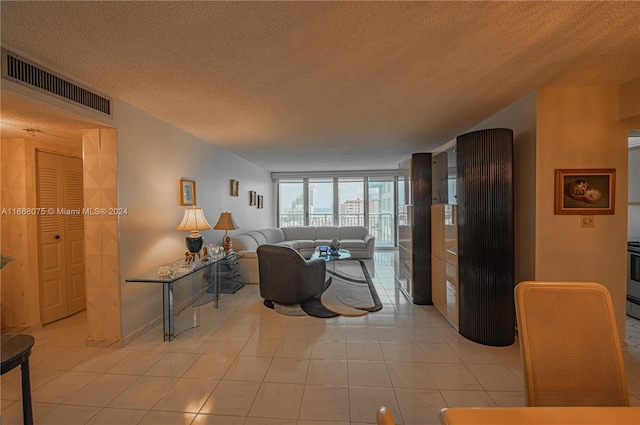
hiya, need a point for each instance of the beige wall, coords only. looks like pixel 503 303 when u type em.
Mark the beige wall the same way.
pixel 18 235
pixel 579 128
pixel 629 104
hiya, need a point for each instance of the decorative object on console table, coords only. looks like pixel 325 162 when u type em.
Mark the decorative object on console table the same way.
pixel 252 197
pixel 235 186
pixel 193 221
pixel 260 202
pixel 226 223
pixel 587 191
pixel 187 192
pixel 230 280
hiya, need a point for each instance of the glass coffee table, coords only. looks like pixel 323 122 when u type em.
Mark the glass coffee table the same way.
pixel 327 256
pixel 342 254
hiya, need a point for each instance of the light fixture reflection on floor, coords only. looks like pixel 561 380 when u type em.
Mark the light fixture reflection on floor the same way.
pixel 226 223
pixel 193 221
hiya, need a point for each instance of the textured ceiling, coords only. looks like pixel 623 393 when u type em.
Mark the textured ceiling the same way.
pixel 300 86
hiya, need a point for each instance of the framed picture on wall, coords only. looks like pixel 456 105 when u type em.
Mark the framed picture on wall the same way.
pixel 585 191
pixel 260 201
pixel 187 192
pixel 252 197
pixel 235 187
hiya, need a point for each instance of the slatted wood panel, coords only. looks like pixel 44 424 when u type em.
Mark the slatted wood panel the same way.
pixel 486 236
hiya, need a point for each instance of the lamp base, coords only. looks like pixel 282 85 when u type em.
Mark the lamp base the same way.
pixel 227 245
pixel 194 243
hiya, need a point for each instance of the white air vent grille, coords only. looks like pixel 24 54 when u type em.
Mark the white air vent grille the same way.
pixel 27 73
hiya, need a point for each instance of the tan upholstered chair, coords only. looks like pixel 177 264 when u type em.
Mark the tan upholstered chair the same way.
pixel 383 417
pixel 569 345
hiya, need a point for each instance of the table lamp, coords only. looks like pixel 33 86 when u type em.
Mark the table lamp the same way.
pixel 226 223
pixel 193 221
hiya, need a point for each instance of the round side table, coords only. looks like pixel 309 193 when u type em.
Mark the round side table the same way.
pixel 16 349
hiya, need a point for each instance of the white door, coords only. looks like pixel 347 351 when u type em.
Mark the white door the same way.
pixel 61 235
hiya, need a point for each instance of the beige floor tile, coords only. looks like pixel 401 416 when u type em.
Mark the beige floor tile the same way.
pixel 295 348
pixel 11 388
pixel 110 416
pixel 437 353
pixel 260 347
pixel 233 398
pixel 495 377
pixel 419 407
pixel 401 352
pixel 361 333
pixel 102 361
pixel 62 415
pixel 270 421
pixel 508 398
pixel 277 401
pixel 136 363
pixel 172 364
pixel 325 402
pixel 203 419
pixel 101 391
pixel 331 333
pixel 334 350
pixel 290 371
pixel 392 335
pixel 69 358
pixel 361 350
pixel 155 417
pixel 424 335
pixel 12 414
pixel 474 353
pixel 410 375
pixel 368 374
pixel 453 377
pixel 245 368
pixel 364 402
pixel 187 395
pixel 456 398
pixel 328 372
pixel 209 366
pixel 144 392
pixel 62 387
pixel 230 346
pixel 192 345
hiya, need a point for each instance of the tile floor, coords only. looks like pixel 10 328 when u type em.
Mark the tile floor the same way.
pixel 249 365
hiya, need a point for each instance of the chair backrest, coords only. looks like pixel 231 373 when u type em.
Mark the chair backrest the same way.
pixel 383 417
pixel 569 345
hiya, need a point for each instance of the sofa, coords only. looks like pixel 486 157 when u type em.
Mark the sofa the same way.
pixel 305 239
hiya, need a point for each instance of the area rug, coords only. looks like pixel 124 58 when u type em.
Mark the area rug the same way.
pixel 349 291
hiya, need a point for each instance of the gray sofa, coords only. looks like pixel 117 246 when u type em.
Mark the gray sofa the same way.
pixel 356 239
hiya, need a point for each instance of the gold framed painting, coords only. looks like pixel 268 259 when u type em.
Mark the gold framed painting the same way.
pixel 235 187
pixel 585 191
pixel 187 192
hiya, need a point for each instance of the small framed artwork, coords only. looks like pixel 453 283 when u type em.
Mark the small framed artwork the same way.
pixel 252 197
pixel 187 192
pixel 585 191
pixel 260 202
pixel 235 187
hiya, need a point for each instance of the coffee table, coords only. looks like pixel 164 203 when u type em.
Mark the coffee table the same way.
pixel 340 255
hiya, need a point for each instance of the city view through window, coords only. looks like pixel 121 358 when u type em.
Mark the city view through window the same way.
pixel 340 202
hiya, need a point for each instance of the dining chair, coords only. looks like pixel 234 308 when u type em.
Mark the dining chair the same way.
pixel 383 417
pixel 569 345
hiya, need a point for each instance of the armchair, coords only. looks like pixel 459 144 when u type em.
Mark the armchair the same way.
pixel 286 277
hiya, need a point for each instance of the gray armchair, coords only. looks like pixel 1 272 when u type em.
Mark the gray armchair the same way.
pixel 286 277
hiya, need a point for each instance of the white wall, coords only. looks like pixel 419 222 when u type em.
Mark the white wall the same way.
pixel 152 157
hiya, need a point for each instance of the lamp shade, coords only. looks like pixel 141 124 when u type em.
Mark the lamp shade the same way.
pixel 225 222
pixel 193 221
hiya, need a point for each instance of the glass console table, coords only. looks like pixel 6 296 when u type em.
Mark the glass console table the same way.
pixel 198 285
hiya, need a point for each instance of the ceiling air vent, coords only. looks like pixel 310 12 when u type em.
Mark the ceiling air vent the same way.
pixel 25 72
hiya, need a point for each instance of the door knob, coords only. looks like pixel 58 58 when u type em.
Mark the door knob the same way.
pixel 57 236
